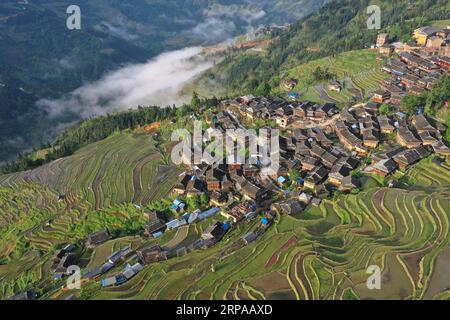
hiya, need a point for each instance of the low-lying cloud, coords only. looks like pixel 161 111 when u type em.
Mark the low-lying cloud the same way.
pixel 116 31
pixel 222 22
pixel 213 30
pixel 157 82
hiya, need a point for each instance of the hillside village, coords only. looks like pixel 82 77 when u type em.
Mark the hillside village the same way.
pixel 324 151
pixel 417 66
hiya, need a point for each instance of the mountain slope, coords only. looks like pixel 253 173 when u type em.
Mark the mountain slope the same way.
pixel 41 59
pixel 338 27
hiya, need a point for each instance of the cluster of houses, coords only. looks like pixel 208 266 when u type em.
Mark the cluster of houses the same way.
pixel 223 182
pixel 112 261
pixel 418 65
pixel 129 272
pixel 323 160
pixel 308 158
pixel 416 140
pixel 283 112
pixel 156 227
pixel 134 260
pixel 431 41
pixel 317 162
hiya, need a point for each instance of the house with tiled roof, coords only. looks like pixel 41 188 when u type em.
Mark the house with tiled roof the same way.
pixel 385 167
pixel 309 163
pixel 422 34
pixel 427 138
pixel 406 138
pixel 421 124
pixel 338 173
pixel 348 184
pixel 410 157
pixel 440 148
pixel 316 177
pixel 385 124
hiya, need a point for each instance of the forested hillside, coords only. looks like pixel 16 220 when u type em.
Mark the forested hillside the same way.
pixel 41 59
pixel 98 128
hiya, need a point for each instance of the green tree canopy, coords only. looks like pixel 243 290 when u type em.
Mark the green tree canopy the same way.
pixel 438 96
pixel 411 103
pixel 263 89
pixel 385 108
pixel 195 101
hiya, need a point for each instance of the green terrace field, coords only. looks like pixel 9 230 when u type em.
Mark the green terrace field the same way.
pixel 322 253
pixel 126 167
pixel 63 201
pixel 359 71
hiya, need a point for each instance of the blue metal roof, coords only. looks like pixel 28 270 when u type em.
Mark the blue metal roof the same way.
pixel 157 234
pixel 282 179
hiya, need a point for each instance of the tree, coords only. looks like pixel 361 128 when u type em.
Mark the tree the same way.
pixel 447 132
pixel 411 103
pixel 295 175
pixel 195 101
pixel 203 200
pixel 263 89
pixel 438 96
pixel 320 74
pixel 385 108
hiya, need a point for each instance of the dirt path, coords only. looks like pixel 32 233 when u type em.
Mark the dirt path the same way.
pixel 323 94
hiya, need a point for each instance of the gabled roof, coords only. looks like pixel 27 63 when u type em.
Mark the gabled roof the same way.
pixel 407 135
pixel 328 159
pixel 340 170
pixel 310 160
pixel 350 162
pixel 302 147
pixel 428 31
pixel 251 190
pixel 317 151
pixel 422 151
pixel 408 157
pixel 249 237
pixel 99 237
pixel 388 166
pixel 349 183
pixel 318 175
pixel 300 134
pixel 195 186
pixel 422 123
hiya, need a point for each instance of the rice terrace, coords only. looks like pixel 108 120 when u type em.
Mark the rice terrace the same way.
pixel 320 253
pixel 95 204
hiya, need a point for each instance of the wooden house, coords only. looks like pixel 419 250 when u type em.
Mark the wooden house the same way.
pixel 95 239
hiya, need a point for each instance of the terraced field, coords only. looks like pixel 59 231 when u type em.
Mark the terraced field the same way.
pixel 323 253
pixel 67 199
pixel 359 71
pixel 123 168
